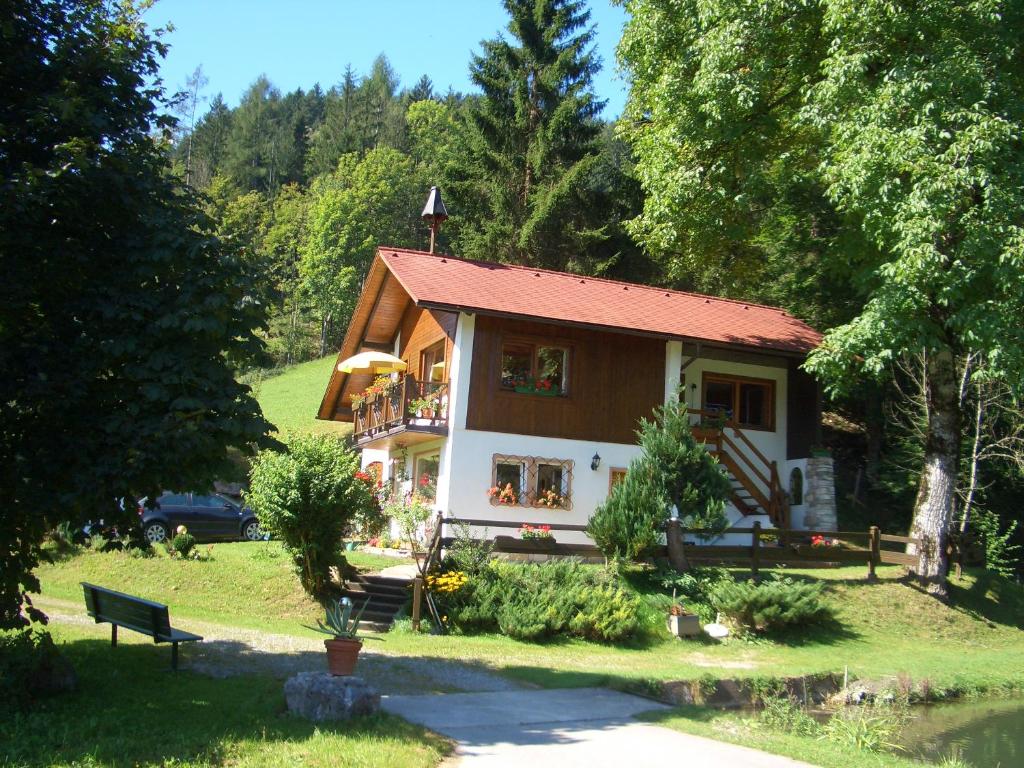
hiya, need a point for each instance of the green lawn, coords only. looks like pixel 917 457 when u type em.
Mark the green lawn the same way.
pixel 130 710
pixel 883 629
pixel 246 584
pixel 291 399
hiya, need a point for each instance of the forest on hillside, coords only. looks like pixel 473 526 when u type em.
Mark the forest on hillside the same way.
pixel 778 177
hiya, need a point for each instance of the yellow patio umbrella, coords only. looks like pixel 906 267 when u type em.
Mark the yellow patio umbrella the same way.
pixel 372 362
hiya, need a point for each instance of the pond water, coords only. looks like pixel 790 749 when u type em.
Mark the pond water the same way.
pixel 986 734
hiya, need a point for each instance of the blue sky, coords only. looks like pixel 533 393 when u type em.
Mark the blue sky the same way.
pixel 302 42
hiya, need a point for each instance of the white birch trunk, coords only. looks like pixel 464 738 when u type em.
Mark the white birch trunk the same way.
pixel 936 494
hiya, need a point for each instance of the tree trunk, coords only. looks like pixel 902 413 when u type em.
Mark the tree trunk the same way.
pixel 936 493
pixel 875 422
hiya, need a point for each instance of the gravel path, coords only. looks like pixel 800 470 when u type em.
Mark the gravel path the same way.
pixel 227 650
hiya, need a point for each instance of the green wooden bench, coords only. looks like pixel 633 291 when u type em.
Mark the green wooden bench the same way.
pixel 134 613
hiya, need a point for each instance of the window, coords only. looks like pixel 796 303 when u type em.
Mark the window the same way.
pixel 541 369
pixel 427 467
pixel 796 486
pixel 616 475
pixel 432 363
pixel 531 481
pixel 746 402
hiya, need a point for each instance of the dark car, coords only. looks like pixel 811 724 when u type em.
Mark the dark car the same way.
pixel 207 517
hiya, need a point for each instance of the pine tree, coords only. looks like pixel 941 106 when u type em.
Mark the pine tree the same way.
pixel 673 470
pixel 533 138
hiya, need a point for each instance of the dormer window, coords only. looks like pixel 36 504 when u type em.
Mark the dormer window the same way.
pixel 533 368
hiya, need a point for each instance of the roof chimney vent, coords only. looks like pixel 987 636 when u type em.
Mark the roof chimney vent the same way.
pixel 434 213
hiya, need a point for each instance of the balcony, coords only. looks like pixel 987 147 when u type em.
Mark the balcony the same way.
pixel 409 412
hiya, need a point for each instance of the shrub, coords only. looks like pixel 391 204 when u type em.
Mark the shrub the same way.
pixel 307 497
pixel 674 470
pixel 183 542
pixel 772 605
pixel 533 601
pixel 467 554
pixel 31 667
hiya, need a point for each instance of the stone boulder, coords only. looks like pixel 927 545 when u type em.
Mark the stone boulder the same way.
pixel 319 696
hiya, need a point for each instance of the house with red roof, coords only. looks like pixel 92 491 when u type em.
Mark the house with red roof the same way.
pixel 523 388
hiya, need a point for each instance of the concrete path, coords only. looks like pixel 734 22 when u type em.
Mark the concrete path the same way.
pixel 585 727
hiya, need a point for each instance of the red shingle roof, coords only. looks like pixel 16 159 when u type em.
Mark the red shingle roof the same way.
pixel 477 286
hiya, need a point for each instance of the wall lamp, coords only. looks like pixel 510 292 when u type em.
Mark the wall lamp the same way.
pixel 595 462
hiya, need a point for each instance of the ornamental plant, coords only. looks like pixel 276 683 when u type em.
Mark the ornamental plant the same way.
pixel 307 497
pixel 506 495
pixel 673 470
pixel 550 499
pixel 528 531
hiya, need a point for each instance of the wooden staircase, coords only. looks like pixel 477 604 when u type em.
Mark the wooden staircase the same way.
pixel 756 488
pixel 386 596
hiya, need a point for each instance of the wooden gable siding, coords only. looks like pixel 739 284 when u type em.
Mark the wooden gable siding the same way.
pixel 422 328
pixel 614 380
pixel 803 409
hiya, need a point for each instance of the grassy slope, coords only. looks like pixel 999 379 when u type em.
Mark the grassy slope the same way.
pixel 291 399
pixel 884 629
pixel 130 710
pixel 246 584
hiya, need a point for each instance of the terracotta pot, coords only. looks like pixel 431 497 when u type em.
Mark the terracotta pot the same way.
pixel 342 655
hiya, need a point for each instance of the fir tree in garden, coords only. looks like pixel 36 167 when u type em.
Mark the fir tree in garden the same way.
pixel 532 139
pixel 673 470
pixel 123 321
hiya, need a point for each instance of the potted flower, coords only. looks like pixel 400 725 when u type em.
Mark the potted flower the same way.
pixel 681 622
pixel 535 532
pixel 344 646
pixel 506 495
pixel 424 407
pixel 550 499
pixel 532 538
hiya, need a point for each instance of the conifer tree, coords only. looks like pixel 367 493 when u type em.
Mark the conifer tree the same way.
pixel 532 138
pixel 673 470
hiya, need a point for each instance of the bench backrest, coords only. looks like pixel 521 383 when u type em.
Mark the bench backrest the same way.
pixel 126 610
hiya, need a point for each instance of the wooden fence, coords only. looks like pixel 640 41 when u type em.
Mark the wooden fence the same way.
pixel 768 546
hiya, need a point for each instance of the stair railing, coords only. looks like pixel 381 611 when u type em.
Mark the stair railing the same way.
pixel 770 495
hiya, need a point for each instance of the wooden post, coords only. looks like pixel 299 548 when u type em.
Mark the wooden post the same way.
pixel 755 549
pixel 417 602
pixel 113 635
pixel 875 543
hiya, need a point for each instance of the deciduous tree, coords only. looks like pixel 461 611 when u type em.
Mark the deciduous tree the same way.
pixel 122 320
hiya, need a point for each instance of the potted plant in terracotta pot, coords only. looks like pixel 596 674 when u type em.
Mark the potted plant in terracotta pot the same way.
pixel 344 646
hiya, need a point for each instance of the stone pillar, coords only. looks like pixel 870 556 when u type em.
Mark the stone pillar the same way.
pixel 820 495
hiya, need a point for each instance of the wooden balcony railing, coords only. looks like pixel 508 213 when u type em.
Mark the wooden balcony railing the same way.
pixel 392 409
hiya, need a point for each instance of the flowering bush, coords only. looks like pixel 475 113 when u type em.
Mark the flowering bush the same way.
pixel 447 583
pixel 506 495
pixel 535 531
pixel 821 541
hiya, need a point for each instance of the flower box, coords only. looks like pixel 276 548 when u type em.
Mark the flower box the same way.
pixel 545 544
